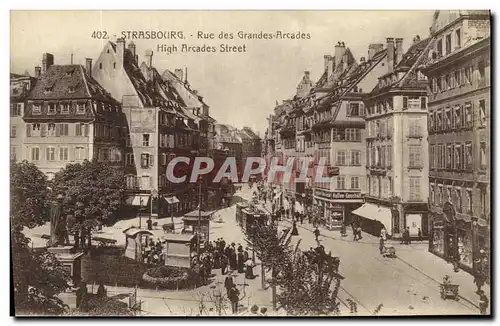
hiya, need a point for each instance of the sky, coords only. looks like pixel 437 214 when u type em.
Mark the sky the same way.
pixel 240 88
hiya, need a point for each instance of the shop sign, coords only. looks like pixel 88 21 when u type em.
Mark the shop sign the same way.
pixel 333 171
pixel 338 195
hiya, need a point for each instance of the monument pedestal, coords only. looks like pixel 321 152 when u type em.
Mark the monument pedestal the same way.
pixel 72 263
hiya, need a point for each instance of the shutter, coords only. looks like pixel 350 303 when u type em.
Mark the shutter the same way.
pixel 405 102
pixel 78 129
pixel 47 154
pixel 362 109
pixel 28 130
pixel 58 130
pixel 86 126
pixel 61 152
pixel 151 160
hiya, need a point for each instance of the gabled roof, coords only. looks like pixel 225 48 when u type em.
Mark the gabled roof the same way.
pixel 68 82
pixel 414 57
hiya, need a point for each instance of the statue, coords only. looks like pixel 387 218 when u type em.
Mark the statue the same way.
pixel 58 232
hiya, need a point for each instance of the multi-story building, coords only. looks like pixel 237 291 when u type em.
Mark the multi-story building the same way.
pixel 250 145
pixel 458 70
pixel 20 86
pixel 338 130
pixel 396 143
pixel 229 140
pixel 70 118
pixel 157 129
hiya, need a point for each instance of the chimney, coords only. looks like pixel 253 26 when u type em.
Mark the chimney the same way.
pixel 179 73
pixel 120 51
pixel 362 60
pixel 186 75
pixel 373 49
pixel 307 75
pixel 149 58
pixel 339 53
pixel 131 47
pixel 38 71
pixel 195 92
pixel 328 66
pixel 416 39
pixel 47 61
pixel 399 51
pixel 390 54
pixel 88 66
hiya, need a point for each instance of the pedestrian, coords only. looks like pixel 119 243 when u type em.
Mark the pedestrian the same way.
pixel 294 228
pixel 301 216
pixel 408 239
pixel 354 233
pixel 419 235
pixel 81 294
pixel 228 284
pixel 359 232
pixel 263 311
pixel 241 262
pixel 149 222
pixel 234 298
pixel 483 303
pixel 316 233
pixel 403 236
pixel 249 269
pixel 343 230
pixel 101 290
pixel 223 264
pixel 383 233
pixel 245 254
pixel 381 244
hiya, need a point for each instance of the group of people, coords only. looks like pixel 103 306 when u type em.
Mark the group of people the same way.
pixel 220 254
pixel 152 252
pixel 406 238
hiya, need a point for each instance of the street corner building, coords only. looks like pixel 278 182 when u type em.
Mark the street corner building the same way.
pixel 458 70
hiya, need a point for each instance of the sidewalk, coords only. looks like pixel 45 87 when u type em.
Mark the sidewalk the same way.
pixel 417 257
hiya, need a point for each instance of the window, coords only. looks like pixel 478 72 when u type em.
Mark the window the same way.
pixel 145 140
pixel 63 129
pixel 444 85
pixel 80 153
pixel 100 63
pixel 129 159
pixel 468 201
pixel 482 113
pixel 449 83
pixel 35 154
pixel 351 134
pixel 146 182
pixel 431 121
pixel 13 153
pixel 423 102
pixel 483 155
pixel 449 157
pixel 341 157
pixel 405 102
pixel 51 109
pixel 340 182
pixel 50 154
pixel 355 157
pixel 458 39
pixel 389 127
pixel 164 158
pixel 414 127
pixel 439 199
pixel 63 154
pixel 374 156
pixel 457 117
pixel 443 156
pixel 448 125
pixel 482 200
pixel 458 157
pixel 440 47
pixel 448 44
pixel 432 156
pixel 114 65
pixel 51 129
pixel 35 130
pixel 451 77
pixel 458 76
pixel 79 129
pixel 37 109
pixel 414 188
pixel 354 109
pixel 458 199
pixel 131 181
pixel 146 160
pixel 116 155
pixel 434 86
pixel 439 84
pixel 481 70
pixel 468 74
pixel 15 109
pixel 80 108
pixel 13 131
pixel 389 156
pixel 468 156
pixel 354 182
pixel 414 152
pixel 64 108
pixel 468 115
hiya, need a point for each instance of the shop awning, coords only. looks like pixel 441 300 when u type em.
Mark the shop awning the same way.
pixel 138 200
pixel 376 213
pixel 172 200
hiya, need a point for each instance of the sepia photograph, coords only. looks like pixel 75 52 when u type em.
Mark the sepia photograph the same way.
pixel 168 163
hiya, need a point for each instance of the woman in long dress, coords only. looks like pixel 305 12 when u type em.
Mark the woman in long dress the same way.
pixel 294 228
pixel 241 262
pixel 249 269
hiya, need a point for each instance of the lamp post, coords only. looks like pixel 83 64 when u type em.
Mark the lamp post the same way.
pixel 199 216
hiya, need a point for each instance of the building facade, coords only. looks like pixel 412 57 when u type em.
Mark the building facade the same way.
pixel 396 143
pixel 70 118
pixel 458 70
pixel 20 86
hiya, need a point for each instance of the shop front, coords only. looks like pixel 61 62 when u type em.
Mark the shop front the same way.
pixel 459 238
pixel 334 208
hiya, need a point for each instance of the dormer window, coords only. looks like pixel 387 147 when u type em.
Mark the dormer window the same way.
pixel 51 108
pixel 80 108
pixel 64 108
pixel 72 89
pixel 69 73
pixel 37 109
pixel 48 89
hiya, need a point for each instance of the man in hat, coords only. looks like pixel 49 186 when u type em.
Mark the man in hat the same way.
pixel 234 298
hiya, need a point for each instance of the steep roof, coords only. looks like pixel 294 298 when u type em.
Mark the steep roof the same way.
pixel 68 82
pixel 415 56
